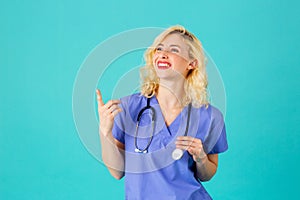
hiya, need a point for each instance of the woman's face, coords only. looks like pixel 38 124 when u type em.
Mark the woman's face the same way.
pixel 172 55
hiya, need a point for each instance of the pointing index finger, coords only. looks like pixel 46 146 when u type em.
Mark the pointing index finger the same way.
pixel 99 97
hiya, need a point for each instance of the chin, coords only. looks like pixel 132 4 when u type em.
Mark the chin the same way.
pixel 169 75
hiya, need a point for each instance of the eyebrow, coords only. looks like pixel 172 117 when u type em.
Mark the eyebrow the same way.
pixel 172 45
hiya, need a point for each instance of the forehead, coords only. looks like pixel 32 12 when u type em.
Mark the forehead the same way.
pixel 174 39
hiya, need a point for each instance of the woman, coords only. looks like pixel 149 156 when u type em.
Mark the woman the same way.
pixel 169 158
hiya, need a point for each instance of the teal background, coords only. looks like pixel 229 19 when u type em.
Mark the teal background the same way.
pixel 255 45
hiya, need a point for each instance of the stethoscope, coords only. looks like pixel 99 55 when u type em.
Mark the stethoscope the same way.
pixel 177 153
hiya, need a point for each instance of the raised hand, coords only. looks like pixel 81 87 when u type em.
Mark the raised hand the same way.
pixel 107 113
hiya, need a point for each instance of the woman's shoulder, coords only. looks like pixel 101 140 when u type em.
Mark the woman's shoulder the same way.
pixel 211 111
pixel 133 97
pixel 133 101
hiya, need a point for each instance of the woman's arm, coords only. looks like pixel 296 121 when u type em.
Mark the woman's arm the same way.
pixel 112 154
pixel 112 150
pixel 206 164
pixel 207 167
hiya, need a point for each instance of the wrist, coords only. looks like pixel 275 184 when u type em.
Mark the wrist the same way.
pixel 104 131
pixel 201 159
pixel 107 135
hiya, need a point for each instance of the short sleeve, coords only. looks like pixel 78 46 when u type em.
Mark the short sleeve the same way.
pixel 216 140
pixel 221 144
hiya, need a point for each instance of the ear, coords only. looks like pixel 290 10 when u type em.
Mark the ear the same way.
pixel 193 64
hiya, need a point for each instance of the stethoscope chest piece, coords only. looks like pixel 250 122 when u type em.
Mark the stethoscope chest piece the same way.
pixel 177 154
pixel 140 151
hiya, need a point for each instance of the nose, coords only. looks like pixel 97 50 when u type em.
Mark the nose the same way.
pixel 163 55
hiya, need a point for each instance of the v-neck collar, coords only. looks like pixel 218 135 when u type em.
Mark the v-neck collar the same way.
pixel 174 125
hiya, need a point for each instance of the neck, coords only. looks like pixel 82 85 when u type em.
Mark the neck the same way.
pixel 171 93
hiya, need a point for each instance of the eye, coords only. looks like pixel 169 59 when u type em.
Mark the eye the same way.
pixel 159 49
pixel 174 50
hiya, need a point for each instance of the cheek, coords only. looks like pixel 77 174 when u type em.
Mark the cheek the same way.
pixel 154 58
pixel 181 61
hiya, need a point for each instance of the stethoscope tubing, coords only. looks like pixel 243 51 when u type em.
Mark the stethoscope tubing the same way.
pixel 153 118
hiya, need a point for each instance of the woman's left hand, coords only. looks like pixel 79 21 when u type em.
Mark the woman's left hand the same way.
pixel 193 146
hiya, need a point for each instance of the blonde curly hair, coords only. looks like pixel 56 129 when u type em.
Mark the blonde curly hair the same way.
pixel 196 82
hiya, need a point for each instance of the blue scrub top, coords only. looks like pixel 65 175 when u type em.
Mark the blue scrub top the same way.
pixel 155 175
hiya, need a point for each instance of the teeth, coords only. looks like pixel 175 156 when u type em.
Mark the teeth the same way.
pixel 163 65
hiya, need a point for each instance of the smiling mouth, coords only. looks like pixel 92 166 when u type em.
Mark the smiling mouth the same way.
pixel 163 65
